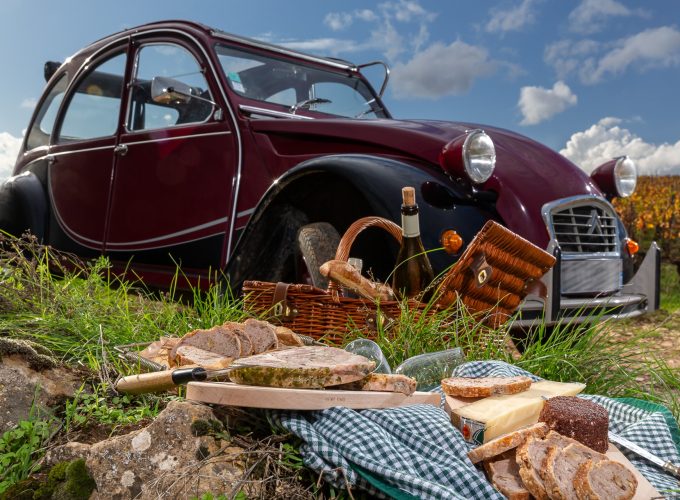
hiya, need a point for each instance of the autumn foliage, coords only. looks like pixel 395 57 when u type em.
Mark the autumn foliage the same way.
pixel 652 213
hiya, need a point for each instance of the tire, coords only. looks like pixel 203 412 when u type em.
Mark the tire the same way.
pixel 317 243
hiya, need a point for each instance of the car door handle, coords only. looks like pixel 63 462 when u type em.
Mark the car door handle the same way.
pixel 121 149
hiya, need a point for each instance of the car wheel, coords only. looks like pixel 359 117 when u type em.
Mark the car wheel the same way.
pixel 317 244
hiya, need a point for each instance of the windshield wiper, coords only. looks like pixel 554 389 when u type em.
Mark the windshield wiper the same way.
pixel 307 103
pixel 371 109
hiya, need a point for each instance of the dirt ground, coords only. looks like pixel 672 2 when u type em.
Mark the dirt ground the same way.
pixel 665 327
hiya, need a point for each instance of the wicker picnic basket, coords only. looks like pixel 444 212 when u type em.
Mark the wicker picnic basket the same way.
pixel 490 279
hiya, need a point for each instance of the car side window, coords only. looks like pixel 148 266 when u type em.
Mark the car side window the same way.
pixel 94 107
pixel 169 61
pixel 41 129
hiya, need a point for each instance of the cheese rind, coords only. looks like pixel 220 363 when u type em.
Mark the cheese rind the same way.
pixel 491 417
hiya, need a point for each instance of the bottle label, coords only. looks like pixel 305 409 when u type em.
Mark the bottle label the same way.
pixel 410 225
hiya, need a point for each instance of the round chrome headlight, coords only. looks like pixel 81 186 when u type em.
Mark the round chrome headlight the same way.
pixel 625 176
pixel 479 156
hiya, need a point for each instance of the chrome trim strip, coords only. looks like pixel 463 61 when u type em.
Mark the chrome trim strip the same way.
pixel 271 112
pixel 282 50
pixel 163 139
pixel 143 249
pixel 84 150
pixel 246 212
pixel 170 235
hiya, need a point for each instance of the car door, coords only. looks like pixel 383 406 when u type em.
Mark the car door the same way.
pixel 82 153
pixel 172 190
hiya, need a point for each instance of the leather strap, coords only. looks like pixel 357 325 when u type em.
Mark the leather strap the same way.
pixel 281 308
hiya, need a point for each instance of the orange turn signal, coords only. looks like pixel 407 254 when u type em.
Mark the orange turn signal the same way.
pixel 451 241
pixel 632 246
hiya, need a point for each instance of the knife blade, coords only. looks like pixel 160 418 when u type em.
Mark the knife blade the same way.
pixel 665 465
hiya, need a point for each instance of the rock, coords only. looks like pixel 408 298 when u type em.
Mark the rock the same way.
pixel 166 459
pixel 28 373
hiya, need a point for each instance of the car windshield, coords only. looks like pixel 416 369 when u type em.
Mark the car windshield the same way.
pixel 297 86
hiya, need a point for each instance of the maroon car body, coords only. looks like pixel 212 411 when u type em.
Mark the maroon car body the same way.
pixel 176 144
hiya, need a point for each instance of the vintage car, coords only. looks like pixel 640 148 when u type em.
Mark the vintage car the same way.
pixel 175 144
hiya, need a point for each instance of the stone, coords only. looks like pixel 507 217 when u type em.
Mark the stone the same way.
pixel 29 375
pixel 166 459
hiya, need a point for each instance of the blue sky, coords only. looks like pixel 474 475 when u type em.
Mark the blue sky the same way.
pixel 593 79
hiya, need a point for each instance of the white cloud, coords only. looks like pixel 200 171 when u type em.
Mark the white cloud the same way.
pixel 29 103
pixel 441 70
pixel 9 149
pixel 607 139
pixel 512 19
pixel 338 20
pixel 366 15
pixel 659 47
pixel 591 15
pixel 537 104
pixel 593 61
pixel 406 11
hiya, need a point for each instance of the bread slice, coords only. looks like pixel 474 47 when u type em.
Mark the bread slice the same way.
pixel 382 382
pixel 287 337
pixel 530 456
pixel 190 355
pixel 560 466
pixel 262 335
pixel 244 338
pixel 504 475
pixel 506 442
pixel 483 387
pixel 604 480
pixel 219 340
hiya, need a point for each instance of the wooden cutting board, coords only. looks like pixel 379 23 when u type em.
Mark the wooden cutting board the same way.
pixel 229 394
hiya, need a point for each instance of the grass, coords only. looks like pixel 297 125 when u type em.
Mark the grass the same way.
pixel 80 312
pixel 670 287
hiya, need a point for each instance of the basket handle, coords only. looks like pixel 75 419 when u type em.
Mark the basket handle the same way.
pixel 353 231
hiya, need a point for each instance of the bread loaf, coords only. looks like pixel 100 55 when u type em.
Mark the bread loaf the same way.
pixel 504 475
pixel 483 387
pixel 244 338
pixel 190 355
pixel 287 337
pixel 348 276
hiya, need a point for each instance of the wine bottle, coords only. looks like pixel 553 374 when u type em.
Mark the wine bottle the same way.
pixel 413 271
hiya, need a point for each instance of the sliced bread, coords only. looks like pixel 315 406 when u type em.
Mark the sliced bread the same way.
pixel 483 387
pixel 504 475
pixel 262 335
pixel 530 456
pixel 244 338
pixel 560 466
pixel 604 480
pixel 506 442
pixel 287 337
pixel 219 340
pixel 190 355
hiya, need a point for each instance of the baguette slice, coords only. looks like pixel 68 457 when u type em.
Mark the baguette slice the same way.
pixel 507 442
pixel 483 387
pixel 604 480
pixel 383 382
pixel 190 355
pixel 287 337
pixel 504 475
pixel 530 457
pixel 262 335
pixel 244 338
pixel 560 466
pixel 219 340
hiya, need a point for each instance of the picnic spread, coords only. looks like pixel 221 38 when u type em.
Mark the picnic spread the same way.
pixel 488 429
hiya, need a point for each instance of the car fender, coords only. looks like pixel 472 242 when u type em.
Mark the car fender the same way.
pixel 372 186
pixel 23 205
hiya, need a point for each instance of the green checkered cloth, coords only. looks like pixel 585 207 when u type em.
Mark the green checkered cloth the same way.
pixel 415 452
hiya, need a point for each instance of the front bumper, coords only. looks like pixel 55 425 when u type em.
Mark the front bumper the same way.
pixel 637 297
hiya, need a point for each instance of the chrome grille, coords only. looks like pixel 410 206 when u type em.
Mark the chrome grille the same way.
pixel 585 229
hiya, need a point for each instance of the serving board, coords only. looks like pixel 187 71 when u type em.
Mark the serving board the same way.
pixel 229 394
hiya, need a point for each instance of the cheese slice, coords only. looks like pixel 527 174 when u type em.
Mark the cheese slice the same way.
pixel 491 417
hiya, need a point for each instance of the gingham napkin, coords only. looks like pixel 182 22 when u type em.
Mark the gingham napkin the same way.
pixel 415 452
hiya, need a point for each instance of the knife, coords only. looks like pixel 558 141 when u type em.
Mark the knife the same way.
pixel 665 465
pixel 167 379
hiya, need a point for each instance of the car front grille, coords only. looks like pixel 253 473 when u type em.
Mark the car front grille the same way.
pixel 587 228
